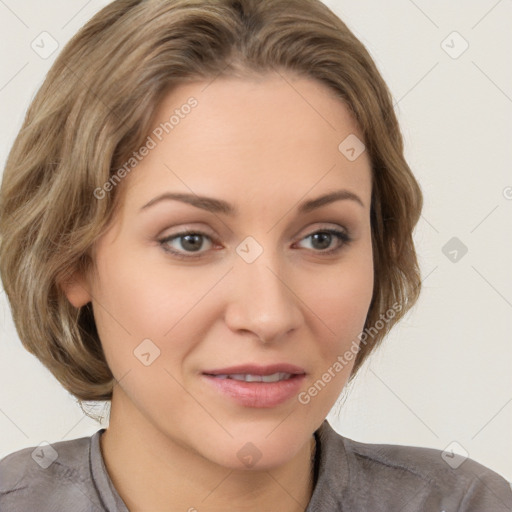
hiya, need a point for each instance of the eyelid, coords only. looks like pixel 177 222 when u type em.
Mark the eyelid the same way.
pixel 323 226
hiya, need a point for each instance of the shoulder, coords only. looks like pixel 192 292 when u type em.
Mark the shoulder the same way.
pixel 438 468
pixel 417 478
pixel 48 477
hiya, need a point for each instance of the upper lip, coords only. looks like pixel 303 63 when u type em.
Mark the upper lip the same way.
pixel 254 369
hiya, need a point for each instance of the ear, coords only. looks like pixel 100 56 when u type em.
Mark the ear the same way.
pixel 76 290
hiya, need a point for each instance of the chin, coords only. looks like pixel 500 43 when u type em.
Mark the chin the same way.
pixel 257 450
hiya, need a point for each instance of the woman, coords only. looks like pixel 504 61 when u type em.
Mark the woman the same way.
pixel 205 213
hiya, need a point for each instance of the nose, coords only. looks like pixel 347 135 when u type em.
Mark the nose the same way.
pixel 262 300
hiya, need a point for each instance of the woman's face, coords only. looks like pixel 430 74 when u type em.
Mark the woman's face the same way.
pixel 261 284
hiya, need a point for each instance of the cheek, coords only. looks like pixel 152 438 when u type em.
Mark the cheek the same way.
pixel 341 300
pixel 340 308
pixel 137 300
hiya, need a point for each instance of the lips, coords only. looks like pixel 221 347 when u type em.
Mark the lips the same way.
pixel 257 386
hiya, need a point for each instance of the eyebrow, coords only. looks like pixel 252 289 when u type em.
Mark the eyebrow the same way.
pixel 213 205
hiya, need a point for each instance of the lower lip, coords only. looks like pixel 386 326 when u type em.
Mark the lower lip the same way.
pixel 258 394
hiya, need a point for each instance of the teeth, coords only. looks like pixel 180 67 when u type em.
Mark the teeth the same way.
pixel 247 377
pixel 275 377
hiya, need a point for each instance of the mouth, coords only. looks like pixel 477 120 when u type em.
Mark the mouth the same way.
pixel 257 386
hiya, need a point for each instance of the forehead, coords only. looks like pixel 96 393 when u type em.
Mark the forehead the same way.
pixel 276 135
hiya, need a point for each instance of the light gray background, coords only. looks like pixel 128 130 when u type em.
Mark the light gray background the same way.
pixel 445 373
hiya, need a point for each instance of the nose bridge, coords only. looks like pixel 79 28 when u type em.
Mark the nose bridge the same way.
pixel 262 300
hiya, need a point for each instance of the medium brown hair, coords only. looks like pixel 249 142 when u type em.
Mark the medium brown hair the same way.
pixel 94 109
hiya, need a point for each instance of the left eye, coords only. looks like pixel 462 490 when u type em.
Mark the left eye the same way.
pixel 323 239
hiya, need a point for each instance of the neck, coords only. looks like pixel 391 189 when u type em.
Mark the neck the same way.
pixel 152 472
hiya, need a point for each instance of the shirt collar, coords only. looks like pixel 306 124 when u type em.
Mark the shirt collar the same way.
pixel 110 498
pixel 332 470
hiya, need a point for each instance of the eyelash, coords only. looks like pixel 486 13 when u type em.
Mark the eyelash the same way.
pixel 342 236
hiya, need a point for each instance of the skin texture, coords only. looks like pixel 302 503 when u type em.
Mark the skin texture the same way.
pixel 264 145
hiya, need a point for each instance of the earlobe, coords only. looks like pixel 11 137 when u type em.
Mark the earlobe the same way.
pixel 76 290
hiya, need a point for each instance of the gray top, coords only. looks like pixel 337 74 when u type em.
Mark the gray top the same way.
pixel 349 476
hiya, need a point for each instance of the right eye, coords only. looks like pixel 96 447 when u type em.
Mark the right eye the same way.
pixel 184 245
